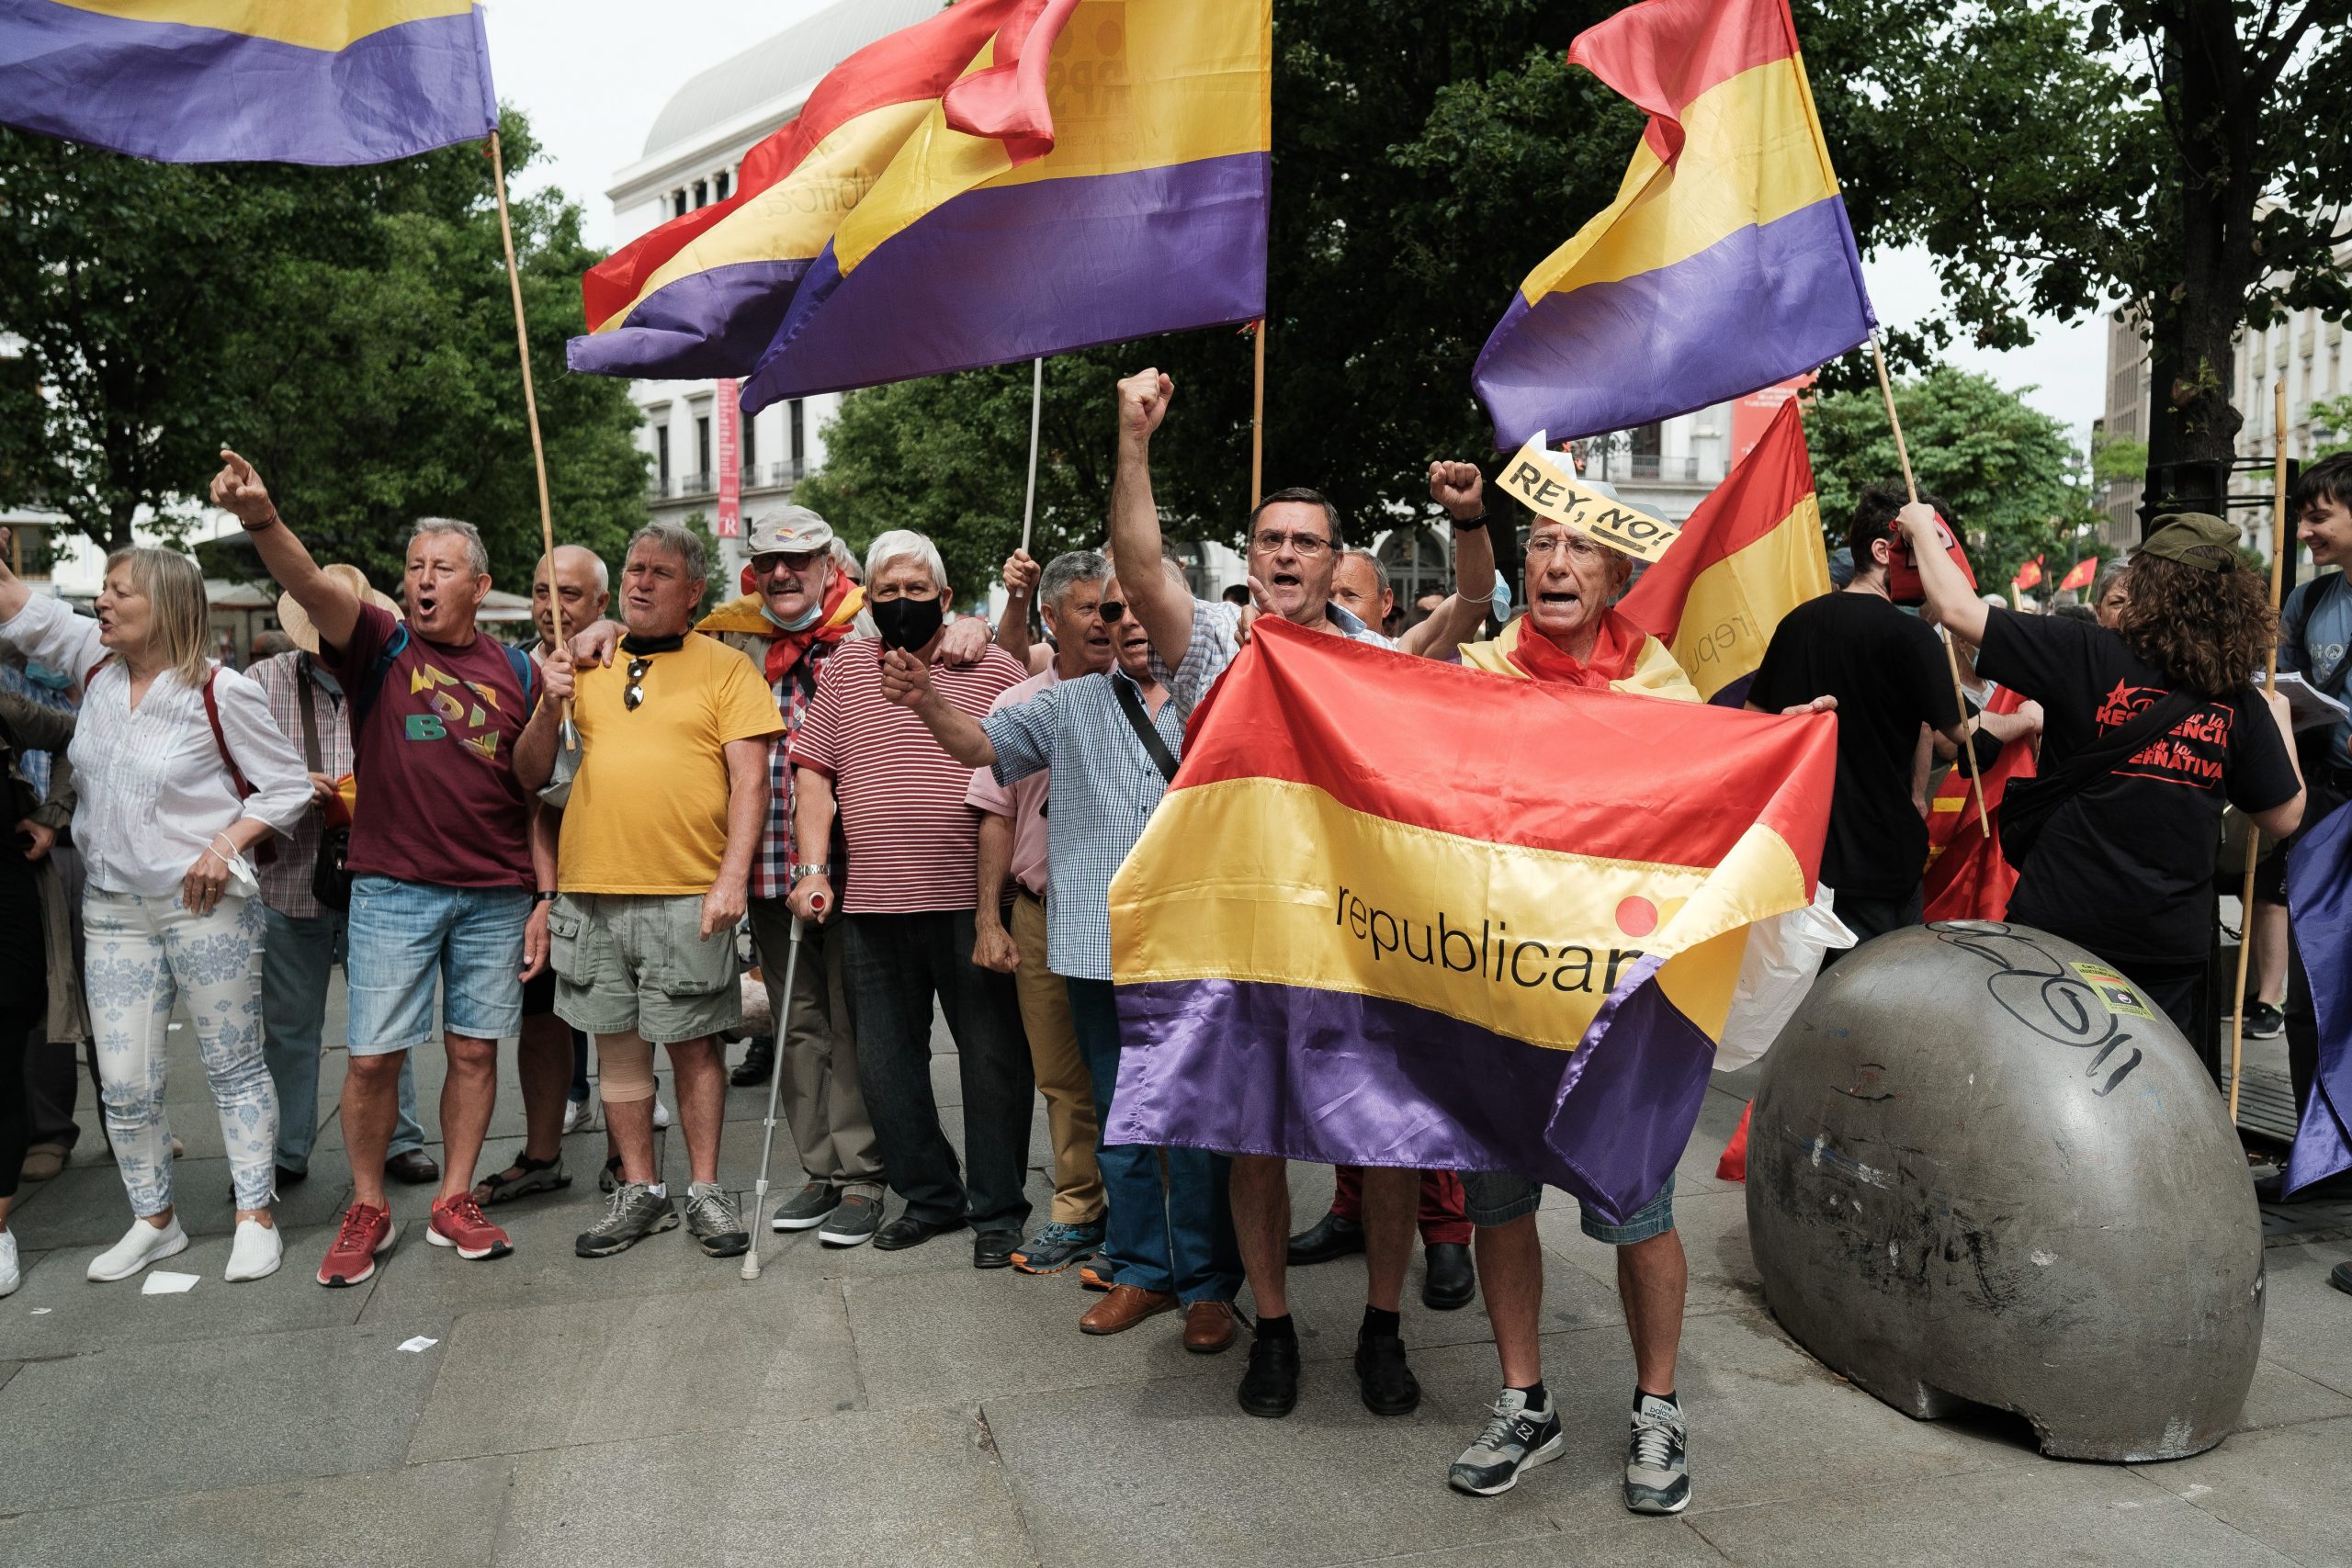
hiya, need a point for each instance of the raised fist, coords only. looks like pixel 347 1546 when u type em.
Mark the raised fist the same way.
pixel 1143 403
pixel 1459 488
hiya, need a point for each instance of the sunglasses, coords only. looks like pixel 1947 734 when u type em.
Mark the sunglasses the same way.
pixel 634 693
pixel 1110 611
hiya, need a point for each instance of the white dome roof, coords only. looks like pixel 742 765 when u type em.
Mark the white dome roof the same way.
pixel 769 70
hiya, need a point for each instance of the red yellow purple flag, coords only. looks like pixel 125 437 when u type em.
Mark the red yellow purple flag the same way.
pixel 1513 952
pixel 1750 553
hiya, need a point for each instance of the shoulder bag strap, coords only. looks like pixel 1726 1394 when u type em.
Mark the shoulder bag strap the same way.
pixel 310 755
pixel 2118 746
pixel 1145 731
pixel 220 738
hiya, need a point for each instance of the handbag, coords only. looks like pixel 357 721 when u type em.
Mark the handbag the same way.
pixel 330 878
pixel 2027 805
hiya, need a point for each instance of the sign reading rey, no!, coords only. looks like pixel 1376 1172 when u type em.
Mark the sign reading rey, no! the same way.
pixel 1547 481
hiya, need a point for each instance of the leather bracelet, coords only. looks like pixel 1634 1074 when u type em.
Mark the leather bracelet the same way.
pixel 264 527
pixel 545 895
pixel 1471 525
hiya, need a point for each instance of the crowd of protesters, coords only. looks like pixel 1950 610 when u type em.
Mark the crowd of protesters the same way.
pixel 563 842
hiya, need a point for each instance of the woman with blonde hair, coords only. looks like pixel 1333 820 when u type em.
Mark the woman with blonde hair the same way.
pixel 182 775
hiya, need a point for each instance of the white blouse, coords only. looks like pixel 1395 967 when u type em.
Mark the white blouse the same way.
pixel 153 789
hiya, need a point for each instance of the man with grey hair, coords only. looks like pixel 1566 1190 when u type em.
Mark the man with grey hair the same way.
pixel 654 863
pixel 909 925
pixel 1082 609
pixel 449 744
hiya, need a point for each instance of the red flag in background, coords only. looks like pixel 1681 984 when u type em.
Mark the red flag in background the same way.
pixel 1967 878
pixel 2080 575
pixel 2029 574
pixel 1903 572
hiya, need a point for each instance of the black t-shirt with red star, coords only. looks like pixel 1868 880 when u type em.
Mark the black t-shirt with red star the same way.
pixel 2125 868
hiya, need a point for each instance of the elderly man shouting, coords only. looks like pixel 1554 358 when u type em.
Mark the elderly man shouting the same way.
pixel 655 856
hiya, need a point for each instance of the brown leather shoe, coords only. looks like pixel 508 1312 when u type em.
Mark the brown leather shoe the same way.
pixel 1124 1308
pixel 1208 1328
pixel 413 1168
pixel 43 1161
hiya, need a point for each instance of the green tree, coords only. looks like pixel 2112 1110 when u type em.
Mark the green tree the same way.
pixel 2331 424
pixel 348 330
pixel 2011 473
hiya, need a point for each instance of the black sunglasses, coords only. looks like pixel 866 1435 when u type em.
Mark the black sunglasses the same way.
pixel 634 693
pixel 1110 611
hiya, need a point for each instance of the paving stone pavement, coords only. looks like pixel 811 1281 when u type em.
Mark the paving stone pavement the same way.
pixel 855 1406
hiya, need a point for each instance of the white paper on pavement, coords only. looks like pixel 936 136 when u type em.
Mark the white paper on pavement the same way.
pixel 2308 707
pixel 418 1343
pixel 162 1283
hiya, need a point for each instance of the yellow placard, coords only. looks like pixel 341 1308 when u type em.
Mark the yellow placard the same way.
pixel 1545 481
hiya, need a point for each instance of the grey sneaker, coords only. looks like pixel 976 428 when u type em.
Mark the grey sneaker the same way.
pixel 853 1221
pixel 711 1217
pixel 807 1209
pixel 1658 1472
pixel 635 1214
pixel 1056 1246
pixel 1516 1439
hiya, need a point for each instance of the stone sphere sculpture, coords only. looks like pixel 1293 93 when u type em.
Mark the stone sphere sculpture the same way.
pixel 1983 1170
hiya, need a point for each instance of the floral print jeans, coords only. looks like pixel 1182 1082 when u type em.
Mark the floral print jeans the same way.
pixel 146 955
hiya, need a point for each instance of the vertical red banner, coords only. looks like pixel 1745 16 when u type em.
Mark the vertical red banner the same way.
pixel 1751 416
pixel 731 462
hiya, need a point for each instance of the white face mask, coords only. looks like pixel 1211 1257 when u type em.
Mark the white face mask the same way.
pixel 800 623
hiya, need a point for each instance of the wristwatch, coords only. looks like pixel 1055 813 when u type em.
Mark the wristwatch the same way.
pixel 545 895
pixel 819 869
pixel 1471 525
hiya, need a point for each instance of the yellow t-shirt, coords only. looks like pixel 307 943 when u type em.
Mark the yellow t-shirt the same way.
pixel 648 812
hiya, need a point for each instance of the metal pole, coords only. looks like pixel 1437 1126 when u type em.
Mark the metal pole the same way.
pixel 1036 414
pixel 767 1139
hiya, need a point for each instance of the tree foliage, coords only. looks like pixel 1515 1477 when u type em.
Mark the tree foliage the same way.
pixel 348 330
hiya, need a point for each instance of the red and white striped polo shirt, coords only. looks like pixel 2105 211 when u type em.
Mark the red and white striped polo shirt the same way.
pixel 913 842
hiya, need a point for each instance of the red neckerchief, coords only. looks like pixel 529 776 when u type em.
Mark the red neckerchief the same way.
pixel 784 648
pixel 1616 649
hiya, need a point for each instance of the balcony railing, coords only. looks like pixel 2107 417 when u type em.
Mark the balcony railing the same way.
pixel 698 484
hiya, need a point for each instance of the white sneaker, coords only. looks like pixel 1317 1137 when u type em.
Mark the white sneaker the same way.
pixel 580 1116
pixel 141 1245
pixel 9 1277
pixel 255 1254
pixel 661 1112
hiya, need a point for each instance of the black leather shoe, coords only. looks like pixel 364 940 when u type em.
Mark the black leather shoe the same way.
pixel 759 1061
pixel 1388 1384
pixel 1447 1282
pixel 994 1249
pixel 1270 1386
pixel 908 1231
pixel 1330 1237
pixel 413 1168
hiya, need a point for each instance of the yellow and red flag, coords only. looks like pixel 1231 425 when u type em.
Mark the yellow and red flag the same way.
pixel 2029 574
pixel 1967 879
pixel 1750 553
pixel 1407 955
pixel 2080 574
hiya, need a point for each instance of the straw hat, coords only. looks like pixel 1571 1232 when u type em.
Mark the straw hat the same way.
pixel 295 621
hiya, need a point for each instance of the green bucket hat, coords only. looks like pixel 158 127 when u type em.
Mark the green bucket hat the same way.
pixel 2193 539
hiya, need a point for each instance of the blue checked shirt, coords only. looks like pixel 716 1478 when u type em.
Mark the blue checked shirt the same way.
pixel 1217 640
pixel 1104 790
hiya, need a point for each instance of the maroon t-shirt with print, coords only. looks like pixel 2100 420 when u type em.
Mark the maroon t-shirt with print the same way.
pixel 433 746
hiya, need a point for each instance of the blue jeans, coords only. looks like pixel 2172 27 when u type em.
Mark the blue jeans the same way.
pixel 1176 1236
pixel 404 934
pixel 1496 1198
pixel 297 963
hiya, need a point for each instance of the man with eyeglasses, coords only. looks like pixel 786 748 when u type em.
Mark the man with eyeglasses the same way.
pixel 909 919
pixel 655 853
pixel 1294 538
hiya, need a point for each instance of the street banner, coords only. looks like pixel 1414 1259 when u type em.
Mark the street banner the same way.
pixel 729 406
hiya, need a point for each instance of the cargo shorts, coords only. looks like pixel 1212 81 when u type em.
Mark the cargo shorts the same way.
pixel 638 961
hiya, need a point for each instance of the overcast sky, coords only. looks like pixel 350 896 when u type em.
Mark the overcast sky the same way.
pixel 593 74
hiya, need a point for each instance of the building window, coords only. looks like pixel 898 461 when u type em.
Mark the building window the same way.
pixel 800 439
pixel 750 439
pixel 702 450
pixel 662 458
pixel 678 202
pixel 702 193
pixel 726 182
pixel 1416 560
pixel 1649 442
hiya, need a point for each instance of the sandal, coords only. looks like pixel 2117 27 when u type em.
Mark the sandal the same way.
pixel 609 1180
pixel 521 1180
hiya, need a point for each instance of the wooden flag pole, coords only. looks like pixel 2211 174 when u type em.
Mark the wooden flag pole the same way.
pixel 1952 654
pixel 1036 413
pixel 530 399
pixel 1258 421
pixel 2270 684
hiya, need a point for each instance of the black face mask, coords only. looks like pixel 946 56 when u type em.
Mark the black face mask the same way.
pixel 907 622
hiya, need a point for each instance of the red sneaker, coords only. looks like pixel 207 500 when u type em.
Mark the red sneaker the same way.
pixel 458 1221
pixel 367 1235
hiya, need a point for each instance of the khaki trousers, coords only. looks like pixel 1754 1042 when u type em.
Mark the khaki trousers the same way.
pixel 817 1054
pixel 1060 1070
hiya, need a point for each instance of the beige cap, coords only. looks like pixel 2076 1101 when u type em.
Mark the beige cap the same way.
pixel 794 530
pixel 297 622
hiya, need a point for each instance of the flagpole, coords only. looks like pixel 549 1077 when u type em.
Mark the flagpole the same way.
pixel 1951 655
pixel 2270 684
pixel 1258 421
pixel 530 399
pixel 1036 413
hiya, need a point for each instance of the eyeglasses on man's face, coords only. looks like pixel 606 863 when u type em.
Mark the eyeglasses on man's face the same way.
pixel 1270 542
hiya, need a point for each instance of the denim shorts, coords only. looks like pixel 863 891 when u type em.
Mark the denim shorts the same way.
pixel 402 935
pixel 1495 1198
pixel 638 963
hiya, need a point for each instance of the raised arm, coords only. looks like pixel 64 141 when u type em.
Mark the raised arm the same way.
pixel 42 629
pixel 238 490
pixel 1021 575
pixel 1164 608
pixel 1950 601
pixel 13 594
pixel 906 680
pixel 1461 490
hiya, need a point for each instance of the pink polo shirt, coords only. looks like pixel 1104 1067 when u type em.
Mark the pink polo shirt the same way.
pixel 1025 802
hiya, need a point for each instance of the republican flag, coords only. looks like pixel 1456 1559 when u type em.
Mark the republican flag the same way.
pixel 221 80
pixel 2029 574
pixel 1750 553
pixel 1724 265
pixel 2080 574
pixel 1967 879
pixel 1515 951
pixel 1008 178
pixel 2319 897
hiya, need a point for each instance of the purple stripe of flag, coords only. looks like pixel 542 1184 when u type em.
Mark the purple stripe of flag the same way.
pixel 1756 307
pixel 2319 894
pixel 706 323
pixel 1009 271
pixel 190 95
pixel 1246 1067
